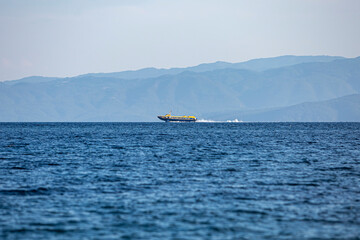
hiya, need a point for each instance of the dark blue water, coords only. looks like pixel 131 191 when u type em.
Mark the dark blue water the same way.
pixel 180 181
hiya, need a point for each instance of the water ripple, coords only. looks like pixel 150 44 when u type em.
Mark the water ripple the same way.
pixel 179 181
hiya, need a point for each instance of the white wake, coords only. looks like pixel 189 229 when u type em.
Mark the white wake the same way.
pixel 213 121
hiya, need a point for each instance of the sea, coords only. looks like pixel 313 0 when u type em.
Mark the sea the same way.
pixel 180 180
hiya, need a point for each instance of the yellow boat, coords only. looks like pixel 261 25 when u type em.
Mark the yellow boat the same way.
pixel 169 118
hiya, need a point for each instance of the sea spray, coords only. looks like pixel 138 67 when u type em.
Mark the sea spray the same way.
pixel 213 121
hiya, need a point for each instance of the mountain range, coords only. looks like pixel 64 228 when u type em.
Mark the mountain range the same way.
pixel 286 88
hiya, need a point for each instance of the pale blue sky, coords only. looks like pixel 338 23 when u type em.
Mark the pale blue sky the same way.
pixel 67 38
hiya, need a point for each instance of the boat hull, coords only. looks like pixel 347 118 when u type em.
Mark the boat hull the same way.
pixel 176 119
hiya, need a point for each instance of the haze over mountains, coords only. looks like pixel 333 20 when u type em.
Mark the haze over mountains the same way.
pixel 287 88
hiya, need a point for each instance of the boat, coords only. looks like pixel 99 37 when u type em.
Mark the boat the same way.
pixel 169 118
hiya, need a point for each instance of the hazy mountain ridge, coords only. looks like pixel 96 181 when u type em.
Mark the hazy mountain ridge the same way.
pixel 342 109
pixel 32 79
pixel 260 64
pixel 92 98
